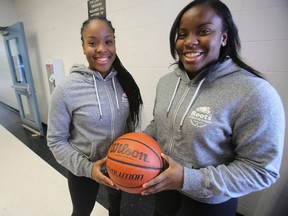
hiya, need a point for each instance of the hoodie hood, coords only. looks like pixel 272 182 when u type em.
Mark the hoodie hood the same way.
pixel 93 77
pixel 213 72
pixel 209 74
pixel 88 74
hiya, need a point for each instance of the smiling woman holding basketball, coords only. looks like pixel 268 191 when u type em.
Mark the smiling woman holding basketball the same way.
pixel 223 126
pixel 92 107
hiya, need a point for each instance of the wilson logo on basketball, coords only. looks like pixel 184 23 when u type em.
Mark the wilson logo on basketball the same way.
pixel 128 176
pixel 126 150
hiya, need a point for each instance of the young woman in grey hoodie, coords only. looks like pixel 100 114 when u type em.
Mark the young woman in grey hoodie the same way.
pixel 92 107
pixel 220 124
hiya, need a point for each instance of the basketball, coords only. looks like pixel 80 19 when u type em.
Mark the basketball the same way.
pixel 133 159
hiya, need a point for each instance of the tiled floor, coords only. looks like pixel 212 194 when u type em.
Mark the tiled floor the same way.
pixel 32 183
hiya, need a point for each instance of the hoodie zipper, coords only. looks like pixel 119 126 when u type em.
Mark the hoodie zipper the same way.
pixel 112 107
pixel 174 120
pixel 174 129
pixel 111 111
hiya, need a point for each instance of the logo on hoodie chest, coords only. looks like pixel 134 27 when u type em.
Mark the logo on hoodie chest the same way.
pixel 124 99
pixel 200 117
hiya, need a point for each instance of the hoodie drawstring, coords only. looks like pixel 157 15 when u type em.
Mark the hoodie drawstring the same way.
pixel 191 102
pixel 97 96
pixel 98 99
pixel 173 96
pixel 115 91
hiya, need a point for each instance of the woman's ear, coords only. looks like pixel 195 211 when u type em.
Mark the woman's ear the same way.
pixel 224 39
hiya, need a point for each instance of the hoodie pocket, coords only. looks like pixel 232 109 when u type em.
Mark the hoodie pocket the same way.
pixel 93 152
pixel 98 151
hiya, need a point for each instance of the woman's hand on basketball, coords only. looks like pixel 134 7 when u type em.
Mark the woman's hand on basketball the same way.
pixel 169 179
pixel 98 176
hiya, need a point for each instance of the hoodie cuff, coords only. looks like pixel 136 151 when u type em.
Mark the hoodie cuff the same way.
pixel 193 179
pixel 89 170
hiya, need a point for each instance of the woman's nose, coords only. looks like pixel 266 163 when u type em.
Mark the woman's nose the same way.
pixel 191 41
pixel 101 47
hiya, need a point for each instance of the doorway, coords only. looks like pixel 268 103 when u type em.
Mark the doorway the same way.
pixel 20 70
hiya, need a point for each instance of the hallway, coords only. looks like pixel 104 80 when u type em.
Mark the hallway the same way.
pixel 29 185
pixel 34 184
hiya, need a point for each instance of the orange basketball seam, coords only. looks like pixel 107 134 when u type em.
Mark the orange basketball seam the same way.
pixel 132 187
pixel 144 167
pixel 156 154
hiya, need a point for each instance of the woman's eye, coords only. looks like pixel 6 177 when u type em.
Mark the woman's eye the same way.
pixel 204 31
pixel 109 42
pixel 92 43
pixel 181 35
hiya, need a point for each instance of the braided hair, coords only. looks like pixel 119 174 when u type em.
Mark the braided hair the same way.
pixel 126 80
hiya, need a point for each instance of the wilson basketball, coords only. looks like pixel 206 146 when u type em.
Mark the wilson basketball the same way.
pixel 132 160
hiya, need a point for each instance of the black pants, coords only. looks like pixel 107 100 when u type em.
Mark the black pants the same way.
pixel 174 203
pixel 84 191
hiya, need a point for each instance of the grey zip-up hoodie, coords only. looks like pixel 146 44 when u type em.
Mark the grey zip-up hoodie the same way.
pixel 87 113
pixel 226 130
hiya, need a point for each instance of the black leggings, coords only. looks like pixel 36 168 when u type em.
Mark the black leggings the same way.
pixel 84 191
pixel 174 203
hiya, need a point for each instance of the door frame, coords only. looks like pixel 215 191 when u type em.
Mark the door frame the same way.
pixel 21 74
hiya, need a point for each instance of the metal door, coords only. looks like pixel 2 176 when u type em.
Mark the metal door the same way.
pixel 20 69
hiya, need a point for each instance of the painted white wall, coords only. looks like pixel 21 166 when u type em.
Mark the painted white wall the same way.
pixel 142 32
pixel 7 17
